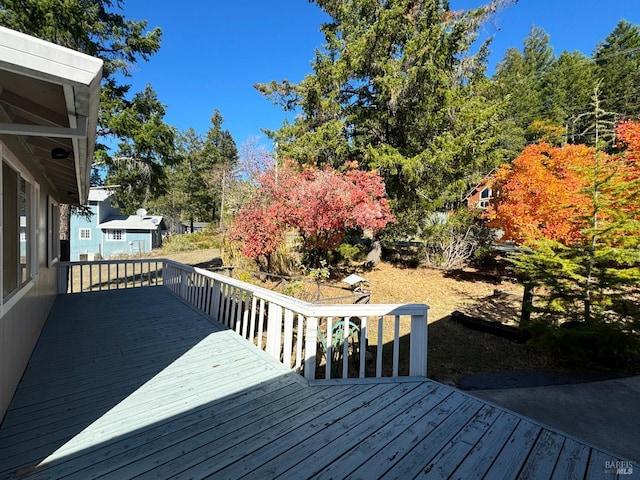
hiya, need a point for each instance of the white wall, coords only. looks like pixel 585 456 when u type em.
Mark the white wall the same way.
pixel 24 314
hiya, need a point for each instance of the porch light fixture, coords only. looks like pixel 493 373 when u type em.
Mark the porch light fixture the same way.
pixel 60 153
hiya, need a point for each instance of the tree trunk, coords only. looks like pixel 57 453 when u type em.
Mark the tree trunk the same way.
pixel 527 305
pixel 65 221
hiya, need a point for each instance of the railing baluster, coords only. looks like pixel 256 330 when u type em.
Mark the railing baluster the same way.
pixel 239 310
pixel 310 348
pixel 252 326
pixel 261 323
pixel 274 330
pixel 362 338
pixel 396 346
pixel 288 338
pixel 227 305
pixel 215 300
pixel 345 347
pixel 299 338
pixel 379 347
pixel 329 352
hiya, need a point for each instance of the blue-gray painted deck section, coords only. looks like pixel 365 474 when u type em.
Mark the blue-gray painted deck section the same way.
pixel 135 383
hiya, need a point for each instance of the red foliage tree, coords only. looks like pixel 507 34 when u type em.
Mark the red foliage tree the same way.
pixel 320 205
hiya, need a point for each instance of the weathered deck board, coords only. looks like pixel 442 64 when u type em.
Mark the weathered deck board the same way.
pixel 134 383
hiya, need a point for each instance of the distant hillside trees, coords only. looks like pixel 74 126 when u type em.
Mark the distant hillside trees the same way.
pixel 551 98
pixel 194 184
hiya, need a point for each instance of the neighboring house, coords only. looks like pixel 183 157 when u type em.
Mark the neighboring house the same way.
pixel 48 115
pixel 481 195
pixel 197 227
pixel 108 233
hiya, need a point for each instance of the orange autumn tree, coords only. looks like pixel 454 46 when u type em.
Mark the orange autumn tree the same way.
pixel 576 210
pixel 542 194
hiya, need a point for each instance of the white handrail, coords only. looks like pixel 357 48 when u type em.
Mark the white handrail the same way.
pixel 298 333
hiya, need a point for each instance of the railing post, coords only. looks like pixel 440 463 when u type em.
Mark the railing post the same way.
pixel 215 300
pixel 274 330
pixel 63 278
pixel 418 345
pixel 183 284
pixel 310 348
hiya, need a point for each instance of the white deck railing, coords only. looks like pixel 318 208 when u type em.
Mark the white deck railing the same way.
pixel 333 341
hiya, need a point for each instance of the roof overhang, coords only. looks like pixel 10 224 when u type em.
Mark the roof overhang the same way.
pixel 49 98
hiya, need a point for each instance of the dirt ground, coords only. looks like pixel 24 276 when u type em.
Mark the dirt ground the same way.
pixel 455 351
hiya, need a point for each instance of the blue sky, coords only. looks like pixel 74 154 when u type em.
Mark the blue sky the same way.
pixel 213 52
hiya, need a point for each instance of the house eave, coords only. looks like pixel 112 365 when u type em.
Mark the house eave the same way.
pixel 73 77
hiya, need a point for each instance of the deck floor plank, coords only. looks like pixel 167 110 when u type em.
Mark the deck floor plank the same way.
pixel 572 462
pixel 135 383
pixel 274 434
pixel 515 451
pixel 479 460
pixel 432 442
pixel 443 465
pixel 346 431
pixel 355 445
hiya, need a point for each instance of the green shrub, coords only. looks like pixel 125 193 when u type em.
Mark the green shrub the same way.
pixel 294 288
pixel 575 343
pixel 191 241
pixel 352 253
pixel 451 241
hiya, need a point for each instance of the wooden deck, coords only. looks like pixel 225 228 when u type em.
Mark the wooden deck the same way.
pixel 135 383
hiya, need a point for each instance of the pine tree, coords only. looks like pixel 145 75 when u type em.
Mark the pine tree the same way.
pixel 394 88
pixel 618 62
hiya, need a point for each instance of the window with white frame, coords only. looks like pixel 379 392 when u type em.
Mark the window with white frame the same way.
pixel 53 230
pixel 115 235
pixel 17 228
pixel 85 234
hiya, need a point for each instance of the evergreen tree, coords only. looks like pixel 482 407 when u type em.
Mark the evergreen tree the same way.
pixel 193 183
pixel 96 28
pixel 391 88
pixel 220 162
pixel 618 62
pixel 520 78
pixel 146 145
pixel 568 87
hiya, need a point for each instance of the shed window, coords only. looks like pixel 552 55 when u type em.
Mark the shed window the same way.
pixel 115 235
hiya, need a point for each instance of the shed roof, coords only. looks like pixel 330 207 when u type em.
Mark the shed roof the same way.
pixel 100 194
pixel 132 222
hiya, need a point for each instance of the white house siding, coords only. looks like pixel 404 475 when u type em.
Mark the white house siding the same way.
pixel 56 92
pixel 23 315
